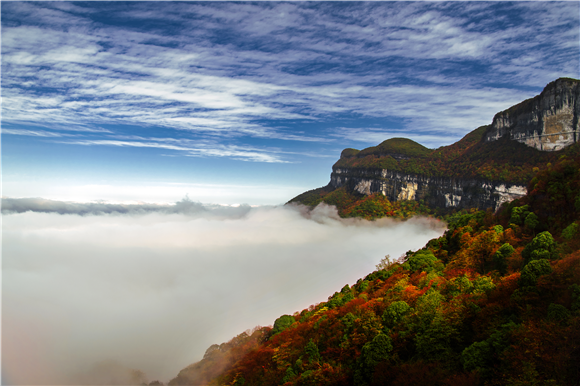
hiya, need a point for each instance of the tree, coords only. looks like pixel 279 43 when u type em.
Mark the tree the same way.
pixel 459 285
pixel 533 270
pixel 282 323
pixel 542 246
pixel 290 373
pixel 519 214
pixel 570 231
pixel 531 221
pixel 433 341
pixel 311 350
pixel 429 301
pixel 372 354
pixel 476 356
pixel 394 313
pixel 500 257
pixel 423 260
pixel 558 312
pixel 482 285
pixel 385 263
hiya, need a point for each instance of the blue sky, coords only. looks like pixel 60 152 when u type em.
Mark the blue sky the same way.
pixel 253 102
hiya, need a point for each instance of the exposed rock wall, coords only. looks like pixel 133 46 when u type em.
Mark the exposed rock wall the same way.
pixel 436 191
pixel 548 122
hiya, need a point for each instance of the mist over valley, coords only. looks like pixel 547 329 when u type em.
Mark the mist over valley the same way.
pixel 93 295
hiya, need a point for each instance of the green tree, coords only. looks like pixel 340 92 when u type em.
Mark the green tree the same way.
pixel 519 214
pixel 558 312
pixel 434 341
pixel 459 285
pixel 311 350
pixel 373 353
pixel 483 284
pixel 498 229
pixel 500 257
pixel 531 221
pixel 570 231
pixel 290 373
pixel 340 298
pixel 429 301
pixel 423 260
pixel 282 323
pixel 533 270
pixel 480 355
pixel 394 313
pixel 542 246
pixel 476 356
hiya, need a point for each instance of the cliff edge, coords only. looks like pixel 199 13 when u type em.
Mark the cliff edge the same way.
pixel 547 122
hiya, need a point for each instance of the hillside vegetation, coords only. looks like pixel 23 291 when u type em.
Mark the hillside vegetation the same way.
pixel 503 160
pixel 494 301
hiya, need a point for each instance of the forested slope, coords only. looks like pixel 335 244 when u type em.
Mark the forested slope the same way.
pixel 494 301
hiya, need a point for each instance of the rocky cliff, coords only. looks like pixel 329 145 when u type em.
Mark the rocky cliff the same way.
pixel 438 192
pixel 491 165
pixel 546 122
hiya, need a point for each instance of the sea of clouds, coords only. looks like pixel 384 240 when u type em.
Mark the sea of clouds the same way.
pixel 97 293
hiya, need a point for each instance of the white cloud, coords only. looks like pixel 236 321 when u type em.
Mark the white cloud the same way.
pixel 153 291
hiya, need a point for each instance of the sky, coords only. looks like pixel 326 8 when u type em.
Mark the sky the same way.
pixel 93 291
pixel 234 102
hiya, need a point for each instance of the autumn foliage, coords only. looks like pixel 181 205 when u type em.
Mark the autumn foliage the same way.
pixel 494 301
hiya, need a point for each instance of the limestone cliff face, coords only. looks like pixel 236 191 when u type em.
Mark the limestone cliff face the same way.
pixel 547 122
pixel 436 191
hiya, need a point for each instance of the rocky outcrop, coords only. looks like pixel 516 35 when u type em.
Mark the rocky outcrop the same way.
pixel 547 122
pixel 438 192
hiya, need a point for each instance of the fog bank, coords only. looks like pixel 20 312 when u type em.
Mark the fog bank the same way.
pixel 121 297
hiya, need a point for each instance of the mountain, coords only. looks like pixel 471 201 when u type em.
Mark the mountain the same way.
pixel 488 167
pixel 494 301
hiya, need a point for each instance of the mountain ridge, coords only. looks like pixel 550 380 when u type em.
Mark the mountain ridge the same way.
pixel 481 170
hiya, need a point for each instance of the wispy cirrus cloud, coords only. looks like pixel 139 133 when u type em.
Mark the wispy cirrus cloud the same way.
pixel 246 71
pixel 189 148
pixel 34 133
